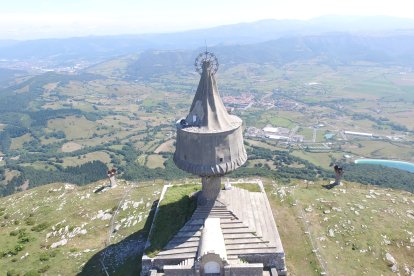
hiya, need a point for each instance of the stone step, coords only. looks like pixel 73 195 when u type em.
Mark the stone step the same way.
pixel 189 228
pixel 258 213
pixel 239 199
pixel 211 211
pixel 203 217
pixel 247 246
pixel 184 239
pixel 187 263
pixel 233 226
pixel 271 231
pixel 221 214
pixel 272 225
pixel 195 221
pixel 212 216
pixel 182 234
pixel 187 244
pixel 220 217
pixel 235 231
pixel 245 210
pixel 228 236
pixel 208 209
pixel 215 209
pixel 181 256
pixel 230 221
pixel 245 241
pixel 237 252
pixel 177 251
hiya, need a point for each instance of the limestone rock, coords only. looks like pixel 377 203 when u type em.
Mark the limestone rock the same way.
pixel 410 214
pixel 390 259
pixel 407 269
pixel 59 243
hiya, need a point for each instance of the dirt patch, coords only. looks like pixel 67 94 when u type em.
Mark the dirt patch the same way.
pixel 165 147
pixel 70 146
pixel 25 185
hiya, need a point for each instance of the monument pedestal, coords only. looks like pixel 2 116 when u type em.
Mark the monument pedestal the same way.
pixel 211 186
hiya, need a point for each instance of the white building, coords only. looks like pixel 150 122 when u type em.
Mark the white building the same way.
pixel 276 130
pixel 354 133
pixel 277 137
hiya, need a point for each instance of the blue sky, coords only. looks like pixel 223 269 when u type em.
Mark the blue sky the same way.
pixel 29 19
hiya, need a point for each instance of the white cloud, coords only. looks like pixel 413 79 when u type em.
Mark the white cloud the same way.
pixel 76 18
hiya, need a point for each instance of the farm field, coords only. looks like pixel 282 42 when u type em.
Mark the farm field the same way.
pixel 104 116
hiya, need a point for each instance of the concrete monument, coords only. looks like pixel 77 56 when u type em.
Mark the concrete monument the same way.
pixel 232 231
pixel 209 140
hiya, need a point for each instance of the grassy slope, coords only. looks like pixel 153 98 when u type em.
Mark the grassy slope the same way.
pixel 366 222
pixel 62 206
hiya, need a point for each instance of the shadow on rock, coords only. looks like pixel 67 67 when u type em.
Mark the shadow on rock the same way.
pixel 122 258
pixel 330 186
pixel 100 189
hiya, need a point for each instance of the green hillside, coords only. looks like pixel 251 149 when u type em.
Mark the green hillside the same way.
pixel 71 230
pixel 64 229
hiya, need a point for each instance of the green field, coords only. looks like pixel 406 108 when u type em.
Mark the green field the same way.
pixel 155 161
pixel 97 155
pixel 73 127
pixel 17 143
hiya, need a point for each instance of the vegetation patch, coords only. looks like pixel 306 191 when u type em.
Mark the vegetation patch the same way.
pixel 155 161
pixel 40 227
pixel 70 146
pixel 174 211
pixel 248 186
pixel 348 222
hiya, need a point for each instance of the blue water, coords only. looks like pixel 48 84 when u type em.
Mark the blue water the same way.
pixel 405 166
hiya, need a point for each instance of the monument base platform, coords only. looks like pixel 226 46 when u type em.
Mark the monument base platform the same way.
pixel 246 226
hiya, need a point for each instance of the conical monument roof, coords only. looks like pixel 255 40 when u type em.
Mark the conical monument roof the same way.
pixel 207 110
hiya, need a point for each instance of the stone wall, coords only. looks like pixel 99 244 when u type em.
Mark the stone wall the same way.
pixel 276 260
pixel 244 270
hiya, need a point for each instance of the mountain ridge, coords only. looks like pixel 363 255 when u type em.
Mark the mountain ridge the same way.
pixel 98 48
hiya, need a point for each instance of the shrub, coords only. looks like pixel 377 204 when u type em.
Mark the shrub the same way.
pixel 44 257
pixel 23 236
pixel 43 269
pixel 32 273
pixel 24 239
pixel 40 227
pixel 29 221
pixel 12 273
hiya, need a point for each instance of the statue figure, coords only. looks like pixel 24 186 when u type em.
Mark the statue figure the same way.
pixel 111 175
pixel 338 174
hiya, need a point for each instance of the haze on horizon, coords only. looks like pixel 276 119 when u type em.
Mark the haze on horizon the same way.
pixel 27 19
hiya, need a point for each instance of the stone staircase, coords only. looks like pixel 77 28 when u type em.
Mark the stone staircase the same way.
pixel 256 217
pixel 245 230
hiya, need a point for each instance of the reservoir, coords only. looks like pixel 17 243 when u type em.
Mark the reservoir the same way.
pixel 405 166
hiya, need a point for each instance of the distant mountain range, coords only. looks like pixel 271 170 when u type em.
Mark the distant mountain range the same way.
pixel 385 39
pixel 333 49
